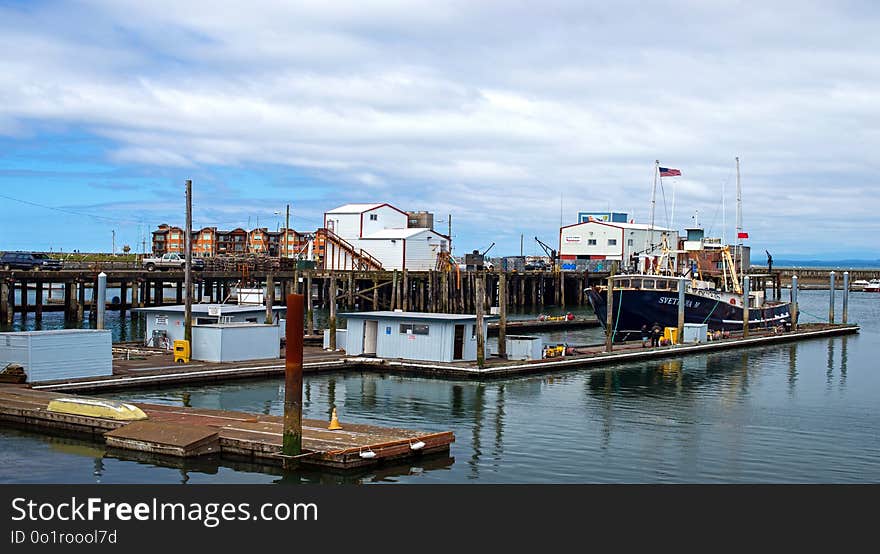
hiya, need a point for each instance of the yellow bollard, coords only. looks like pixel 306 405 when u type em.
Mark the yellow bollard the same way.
pixel 334 422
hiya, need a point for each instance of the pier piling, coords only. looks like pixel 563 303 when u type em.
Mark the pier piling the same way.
pixel 681 288
pixel 99 302
pixel 833 281
pixel 502 313
pixel 293 377
pixel 746 302
pixel 609 317
pixel 794 302
pixel 845 314
pixel 479 299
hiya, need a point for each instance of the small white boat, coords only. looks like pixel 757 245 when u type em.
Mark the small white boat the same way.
pixel 872 286
pixel 859 285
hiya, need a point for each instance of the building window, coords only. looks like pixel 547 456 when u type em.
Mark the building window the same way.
pixel 612 242
pixel 591 242
pixel 374 217
pixel 413 329
pixel 629 242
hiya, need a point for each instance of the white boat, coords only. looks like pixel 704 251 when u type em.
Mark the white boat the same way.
pixel 872 286
pixel 859 284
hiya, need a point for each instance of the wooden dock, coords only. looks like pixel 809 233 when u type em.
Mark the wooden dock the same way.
pixel 188 432
pixel 159 371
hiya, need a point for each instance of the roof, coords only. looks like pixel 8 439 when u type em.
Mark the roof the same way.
pixel 354 208
pixel 398 233
pixel 638 226
pixel 225 309
pixel 415 315
pixel 55 332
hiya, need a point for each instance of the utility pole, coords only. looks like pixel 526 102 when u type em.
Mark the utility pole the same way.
pixel 520 245
pixel 187 280
pixel 114 243
pixel 449 223
pixel 286 232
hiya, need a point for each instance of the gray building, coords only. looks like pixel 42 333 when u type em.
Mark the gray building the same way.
pixel 164 324
pixel 235 342
pixel 413 335
pixel 59 354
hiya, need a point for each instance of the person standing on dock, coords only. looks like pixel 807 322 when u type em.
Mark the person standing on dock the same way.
pixel 655 335
pixel 645 335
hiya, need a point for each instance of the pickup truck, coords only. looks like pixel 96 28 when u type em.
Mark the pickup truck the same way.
pixel 171 261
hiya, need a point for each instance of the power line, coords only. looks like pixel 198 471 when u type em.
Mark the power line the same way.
pixel 70 212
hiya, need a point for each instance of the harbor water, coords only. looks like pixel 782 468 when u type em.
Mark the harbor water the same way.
pixel 803 412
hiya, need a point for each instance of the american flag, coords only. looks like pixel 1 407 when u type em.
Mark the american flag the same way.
pixel 669 172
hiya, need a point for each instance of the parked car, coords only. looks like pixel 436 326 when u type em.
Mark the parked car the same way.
pixel 171 261
pixel 29 260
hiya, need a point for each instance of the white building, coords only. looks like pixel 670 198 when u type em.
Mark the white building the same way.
pixel 628 243
pixel 413 335
pixel 382 232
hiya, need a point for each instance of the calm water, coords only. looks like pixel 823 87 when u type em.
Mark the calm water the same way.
pixel 803 412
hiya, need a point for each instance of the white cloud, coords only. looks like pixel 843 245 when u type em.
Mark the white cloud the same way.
pixel 490 110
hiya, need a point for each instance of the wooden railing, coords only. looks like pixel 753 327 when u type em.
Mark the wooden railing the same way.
pixel 361 260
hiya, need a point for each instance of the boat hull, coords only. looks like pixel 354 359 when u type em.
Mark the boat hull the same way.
pixel 634 308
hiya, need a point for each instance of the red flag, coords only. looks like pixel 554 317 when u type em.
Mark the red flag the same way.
pixel 742 235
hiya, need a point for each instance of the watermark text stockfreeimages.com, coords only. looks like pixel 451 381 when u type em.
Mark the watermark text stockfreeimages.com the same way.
pixel 210 514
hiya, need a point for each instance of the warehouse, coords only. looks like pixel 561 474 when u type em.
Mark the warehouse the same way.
pixel 379 236
pixel 627 243
pixel 413 335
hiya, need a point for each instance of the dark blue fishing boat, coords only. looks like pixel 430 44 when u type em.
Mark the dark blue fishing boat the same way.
pixel 648 299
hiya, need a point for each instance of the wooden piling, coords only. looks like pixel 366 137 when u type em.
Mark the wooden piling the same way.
pixel 310 315
pixel 270 299
pixel 5 310
pixel 681 305
pixel 81 300
pixel 746 293
pixel 405 291
pixel 479 297
pixel 609 317
pixel 293 377
pixel 24 299
pixel 332 301
pixel 38 301
pixel 562 289
pixel 502 313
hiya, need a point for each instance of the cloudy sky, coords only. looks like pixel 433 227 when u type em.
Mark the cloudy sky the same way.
pixel 508 115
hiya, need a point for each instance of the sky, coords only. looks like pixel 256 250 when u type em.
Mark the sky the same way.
pixel 510 116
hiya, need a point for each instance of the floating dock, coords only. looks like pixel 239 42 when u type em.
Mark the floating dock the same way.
pixel 157 370
pixel 191 432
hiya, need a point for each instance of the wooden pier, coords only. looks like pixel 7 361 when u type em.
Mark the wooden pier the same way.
pixel 424 291
pixel 188 432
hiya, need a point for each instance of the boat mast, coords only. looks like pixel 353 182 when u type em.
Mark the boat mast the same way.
pixel 650 247
pixel 739 228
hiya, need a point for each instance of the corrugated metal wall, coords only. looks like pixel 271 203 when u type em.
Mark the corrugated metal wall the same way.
pixel 62 354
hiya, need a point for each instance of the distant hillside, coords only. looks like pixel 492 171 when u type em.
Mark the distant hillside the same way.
pixel 844 264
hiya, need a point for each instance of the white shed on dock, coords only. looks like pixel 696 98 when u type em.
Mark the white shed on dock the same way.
pixel 165 323
pixel 60 354
pixel 413 335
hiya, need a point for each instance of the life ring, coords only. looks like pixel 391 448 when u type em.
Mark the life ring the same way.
pixel 733 301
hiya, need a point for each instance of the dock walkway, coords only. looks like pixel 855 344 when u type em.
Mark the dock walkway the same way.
pixel 157 370
pixel 186 432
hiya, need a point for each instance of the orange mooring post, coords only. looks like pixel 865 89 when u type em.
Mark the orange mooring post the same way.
pixel 293 377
